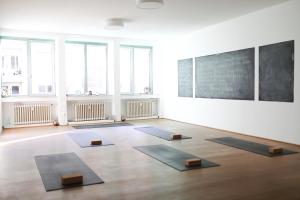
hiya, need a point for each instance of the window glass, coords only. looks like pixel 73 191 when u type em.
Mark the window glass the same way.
pixel 14 67
pixel 86 66
pixel 96 69
pixel 141 70
pixel 125 69
pixel 75 69
pixel 42 68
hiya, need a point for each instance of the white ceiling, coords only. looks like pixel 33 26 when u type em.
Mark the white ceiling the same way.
pixel 88 16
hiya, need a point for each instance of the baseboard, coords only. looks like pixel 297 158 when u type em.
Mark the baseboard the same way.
pixel 91 122
pixel 237 133
pixel 141 118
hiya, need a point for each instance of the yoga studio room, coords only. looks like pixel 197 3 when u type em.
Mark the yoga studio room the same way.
pixel 150 100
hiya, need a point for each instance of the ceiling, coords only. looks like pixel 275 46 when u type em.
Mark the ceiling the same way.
pixel 88 16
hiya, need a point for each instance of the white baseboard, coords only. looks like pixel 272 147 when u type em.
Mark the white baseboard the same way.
pixel 137 118
pixel 91 122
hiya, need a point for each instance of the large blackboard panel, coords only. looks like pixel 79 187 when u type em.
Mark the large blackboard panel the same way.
pixel 226 76
pixel 185 78
pixel 276 72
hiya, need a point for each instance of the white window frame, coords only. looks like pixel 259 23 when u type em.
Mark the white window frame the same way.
pixel 132 89
pixel 29 67
pixel 85 45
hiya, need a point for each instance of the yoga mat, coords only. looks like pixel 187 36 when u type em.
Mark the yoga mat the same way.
pixel 84 137
pixel 249 146
pixel 173 157
pixel 52 167
pixel 101 125
pixel 166 135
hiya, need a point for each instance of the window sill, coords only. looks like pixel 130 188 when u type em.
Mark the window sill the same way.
pixel 88 97
pixel 28 99
pixel 139 96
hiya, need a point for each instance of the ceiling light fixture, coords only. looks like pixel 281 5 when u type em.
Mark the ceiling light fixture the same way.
pixel 114 24
pixel 149 4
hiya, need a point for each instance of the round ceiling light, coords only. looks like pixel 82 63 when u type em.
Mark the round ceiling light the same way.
pixel 149 4
pixel 114 24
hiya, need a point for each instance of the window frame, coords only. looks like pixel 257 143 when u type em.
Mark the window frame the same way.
pixel 132 69
pixel 85 86
pixel 29 67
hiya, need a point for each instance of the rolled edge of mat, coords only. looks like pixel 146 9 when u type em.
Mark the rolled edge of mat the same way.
pixel 70 179
pixel 96 142
pixel 176 136
pixel 193 162
pixel 275 150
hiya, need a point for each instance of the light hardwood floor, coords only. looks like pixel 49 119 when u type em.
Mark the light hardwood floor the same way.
pixel 130 175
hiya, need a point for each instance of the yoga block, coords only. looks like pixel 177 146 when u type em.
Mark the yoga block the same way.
pixel 69 179
pixel 275 150
pixel 96 142
pixel 193 162
pixel 176 136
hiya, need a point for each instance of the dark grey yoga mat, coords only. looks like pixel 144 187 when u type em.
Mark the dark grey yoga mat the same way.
pixel 84 137
pixel 52 167
pixel 249 146
pixel 166 135
pixel 173 157
pixel 86 126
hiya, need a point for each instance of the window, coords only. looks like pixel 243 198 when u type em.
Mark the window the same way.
pixel 27 66
pixel 86 68
pixel 136 70
pixel 14 67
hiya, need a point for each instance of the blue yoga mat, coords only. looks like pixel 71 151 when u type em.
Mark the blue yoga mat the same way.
pixel 84 137
pixel 52 167
pixel 160 133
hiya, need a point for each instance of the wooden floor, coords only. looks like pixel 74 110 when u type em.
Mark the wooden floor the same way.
pixel 130 175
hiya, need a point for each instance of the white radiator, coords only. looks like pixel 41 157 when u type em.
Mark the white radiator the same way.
pixel 89 111
pixel 141 108
pixel 32 114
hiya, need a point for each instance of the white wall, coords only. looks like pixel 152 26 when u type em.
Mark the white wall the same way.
pixel 273 120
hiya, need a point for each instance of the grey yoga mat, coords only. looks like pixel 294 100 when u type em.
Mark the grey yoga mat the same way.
pixel 84 137
pixel 52 167
pixel 173 157
pixel 110 125
pixel 166 135
pixel 249 146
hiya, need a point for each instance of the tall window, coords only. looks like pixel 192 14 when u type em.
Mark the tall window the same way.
pixel 27 66
pixel 86 68
pixel 136 70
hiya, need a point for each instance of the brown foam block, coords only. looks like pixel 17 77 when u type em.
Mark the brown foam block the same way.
pixel 176 136
pixel 275 150
pixel 96 142
pixel 70 179
pixel 193 162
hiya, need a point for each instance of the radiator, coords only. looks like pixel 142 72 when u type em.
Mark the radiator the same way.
pixel 140 108
pixel 89 111
pixel 32 114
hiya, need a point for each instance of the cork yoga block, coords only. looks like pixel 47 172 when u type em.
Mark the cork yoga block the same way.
pixel 193 162
pixel 70 179
pixel 275 150
pixel 96 142
pixel 176 136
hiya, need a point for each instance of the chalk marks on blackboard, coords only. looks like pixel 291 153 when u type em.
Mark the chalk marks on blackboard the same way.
pixel 227 75
pixel 185 78
pixel 276 72
pixel 231 75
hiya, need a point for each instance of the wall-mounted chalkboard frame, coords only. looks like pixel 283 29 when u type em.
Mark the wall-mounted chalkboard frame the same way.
pixel 227 75
pixel 276 72
pixel 185 78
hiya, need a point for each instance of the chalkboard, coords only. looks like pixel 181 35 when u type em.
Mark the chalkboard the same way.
pixel 276 72
pixel 227 75
pixel 185 78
